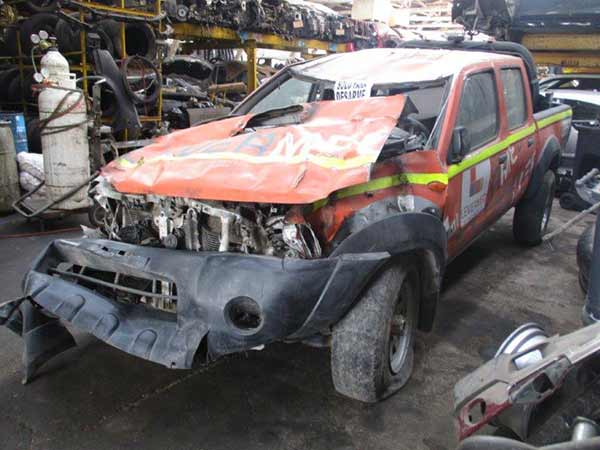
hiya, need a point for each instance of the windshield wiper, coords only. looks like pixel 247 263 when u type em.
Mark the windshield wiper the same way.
pixel 265 116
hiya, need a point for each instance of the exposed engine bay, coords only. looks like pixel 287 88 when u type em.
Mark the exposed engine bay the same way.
pixel 187 224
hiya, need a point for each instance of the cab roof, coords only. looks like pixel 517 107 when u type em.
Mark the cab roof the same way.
pixel 395 65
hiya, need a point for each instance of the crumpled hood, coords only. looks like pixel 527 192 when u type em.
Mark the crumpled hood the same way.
pixel 294 164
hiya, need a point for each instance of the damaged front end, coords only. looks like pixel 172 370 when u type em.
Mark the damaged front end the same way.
pixel 161 304
pixel 189 224
pixel 222 239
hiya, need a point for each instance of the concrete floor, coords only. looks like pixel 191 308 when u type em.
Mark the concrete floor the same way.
pixel 95 397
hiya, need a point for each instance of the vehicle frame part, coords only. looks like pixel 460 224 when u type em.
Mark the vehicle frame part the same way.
pixel 499 385
pixel 317 293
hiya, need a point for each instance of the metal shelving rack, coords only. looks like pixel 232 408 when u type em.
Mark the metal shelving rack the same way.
pixel 83 67
pixel 219 37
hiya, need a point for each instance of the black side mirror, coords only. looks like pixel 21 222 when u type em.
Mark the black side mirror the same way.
pixel 461 144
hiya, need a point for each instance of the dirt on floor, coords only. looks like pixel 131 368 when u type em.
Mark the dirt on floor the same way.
pixel 95 397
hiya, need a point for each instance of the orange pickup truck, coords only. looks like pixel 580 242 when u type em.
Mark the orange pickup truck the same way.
pixel 323 210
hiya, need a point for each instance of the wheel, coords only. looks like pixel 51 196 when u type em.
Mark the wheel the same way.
pixel 585 248
pixel 533 215
pixel 373 345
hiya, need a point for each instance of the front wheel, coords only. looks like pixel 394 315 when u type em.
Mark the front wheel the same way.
pixel 532 215
pixel 373 346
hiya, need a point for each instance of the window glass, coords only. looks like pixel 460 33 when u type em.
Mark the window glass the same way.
pixel 514 95
pixel 479 108
pixel 291 92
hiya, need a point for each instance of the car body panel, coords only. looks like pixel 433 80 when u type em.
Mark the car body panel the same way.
pixel 334 147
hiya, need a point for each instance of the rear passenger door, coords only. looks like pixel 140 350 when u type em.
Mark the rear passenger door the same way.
pixel 474 181
pixel 520 137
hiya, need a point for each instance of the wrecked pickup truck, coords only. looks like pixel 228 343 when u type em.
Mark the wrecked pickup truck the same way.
pixel 323 210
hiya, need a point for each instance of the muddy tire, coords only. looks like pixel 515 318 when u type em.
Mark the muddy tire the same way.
pixel 373 346
pixel 533 215
pixel 585 249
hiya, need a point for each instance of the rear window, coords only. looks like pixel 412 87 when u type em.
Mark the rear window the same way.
pixel 514 95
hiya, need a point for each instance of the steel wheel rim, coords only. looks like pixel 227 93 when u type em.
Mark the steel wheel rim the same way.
pixel 399 336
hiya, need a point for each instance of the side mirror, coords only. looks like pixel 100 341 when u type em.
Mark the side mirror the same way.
pixel 461 144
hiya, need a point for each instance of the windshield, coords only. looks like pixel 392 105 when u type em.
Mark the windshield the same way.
pixel 421 121
pixel 290 92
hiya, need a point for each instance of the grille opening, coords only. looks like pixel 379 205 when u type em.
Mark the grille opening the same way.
pixel 129 289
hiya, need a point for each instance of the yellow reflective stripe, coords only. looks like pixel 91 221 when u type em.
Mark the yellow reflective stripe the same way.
pixel 379 184
pixel 393 180
pixel 554 118
pixel 488 152
pixel 322 161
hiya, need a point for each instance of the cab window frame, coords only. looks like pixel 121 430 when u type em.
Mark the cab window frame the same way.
pixel 524 97
pixel 478 146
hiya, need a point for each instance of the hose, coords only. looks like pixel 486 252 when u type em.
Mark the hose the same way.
pixel 57 113
pixel 571 222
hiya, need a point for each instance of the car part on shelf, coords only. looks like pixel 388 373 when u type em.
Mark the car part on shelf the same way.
pixel 125 116
pixel 142 79
pixel 41 6
pixel 140 40
pixel 510 20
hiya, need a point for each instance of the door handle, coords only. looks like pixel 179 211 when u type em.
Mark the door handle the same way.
pixel 530 142
pixel 503 157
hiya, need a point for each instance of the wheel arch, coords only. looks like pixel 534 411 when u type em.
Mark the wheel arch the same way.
pixel 549 160
pixel 418 234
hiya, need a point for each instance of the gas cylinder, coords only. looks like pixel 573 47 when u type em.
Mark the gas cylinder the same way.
pixel 65 147
pixel 9 174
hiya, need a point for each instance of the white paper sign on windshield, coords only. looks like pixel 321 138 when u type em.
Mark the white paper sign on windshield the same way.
pixel 352 90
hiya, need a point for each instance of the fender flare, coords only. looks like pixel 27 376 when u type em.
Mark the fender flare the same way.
pixel 549 160
pixel 419 233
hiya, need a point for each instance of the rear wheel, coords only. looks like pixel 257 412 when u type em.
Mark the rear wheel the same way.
pixel 373 346
pixel 532 215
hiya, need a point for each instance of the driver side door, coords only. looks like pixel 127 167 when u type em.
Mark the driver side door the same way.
pixel 474 178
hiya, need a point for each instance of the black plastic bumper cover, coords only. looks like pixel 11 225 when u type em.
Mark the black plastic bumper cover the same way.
pixel 297 298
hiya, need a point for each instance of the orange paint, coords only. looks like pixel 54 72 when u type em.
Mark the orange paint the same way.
pixel 294 164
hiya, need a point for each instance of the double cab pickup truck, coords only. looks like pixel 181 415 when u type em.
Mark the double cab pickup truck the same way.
pixel 323 210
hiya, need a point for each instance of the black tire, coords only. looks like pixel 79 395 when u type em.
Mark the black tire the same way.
pixel 585 248
pixel 532 215
pixel 149 96
pixel 141 40
pixel 41 6
pixel 361 353
pixel 110 30
pixel 34 24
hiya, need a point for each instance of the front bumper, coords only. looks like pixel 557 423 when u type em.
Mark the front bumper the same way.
pixel 297 298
